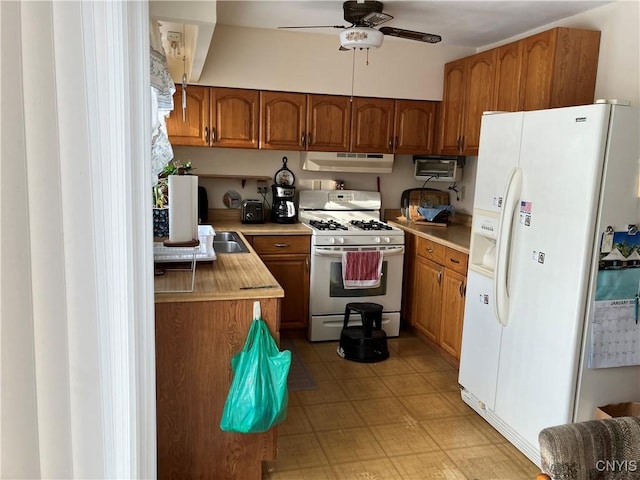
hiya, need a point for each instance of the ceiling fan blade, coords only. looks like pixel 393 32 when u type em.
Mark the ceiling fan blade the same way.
pixel 411 35
pixel 318 26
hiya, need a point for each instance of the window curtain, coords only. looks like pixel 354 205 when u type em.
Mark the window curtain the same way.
pixel 162 90
pixel 77 389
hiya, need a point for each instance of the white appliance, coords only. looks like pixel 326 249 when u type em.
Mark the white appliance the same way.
pixel 348 220
pixel 548 185
pixel 437 168
pixel 347 162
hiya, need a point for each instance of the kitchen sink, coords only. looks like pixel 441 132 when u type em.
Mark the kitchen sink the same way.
pixel 229 242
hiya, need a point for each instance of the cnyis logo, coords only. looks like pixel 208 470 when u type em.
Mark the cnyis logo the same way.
pixel 617 466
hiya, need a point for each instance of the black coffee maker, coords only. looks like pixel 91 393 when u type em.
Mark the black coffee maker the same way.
pixel 283 209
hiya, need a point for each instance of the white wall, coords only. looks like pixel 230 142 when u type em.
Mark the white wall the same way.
pixel 261 59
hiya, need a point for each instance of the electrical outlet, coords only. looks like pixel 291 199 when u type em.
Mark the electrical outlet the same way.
pixel 262 187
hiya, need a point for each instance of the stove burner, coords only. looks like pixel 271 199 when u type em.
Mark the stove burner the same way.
pixel 327 225
pixel 370 225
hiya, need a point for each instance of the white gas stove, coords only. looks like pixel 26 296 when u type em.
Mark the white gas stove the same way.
pixel 346 217
pixel 346 221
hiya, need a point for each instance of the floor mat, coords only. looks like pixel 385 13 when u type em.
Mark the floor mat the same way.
pixel 300 378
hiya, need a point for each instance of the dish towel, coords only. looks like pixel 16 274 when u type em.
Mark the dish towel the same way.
pixel 361 269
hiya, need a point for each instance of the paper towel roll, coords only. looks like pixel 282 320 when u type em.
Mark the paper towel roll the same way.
pixel 183 208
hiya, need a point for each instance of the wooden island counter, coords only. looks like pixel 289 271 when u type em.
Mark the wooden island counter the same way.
pixel 196 335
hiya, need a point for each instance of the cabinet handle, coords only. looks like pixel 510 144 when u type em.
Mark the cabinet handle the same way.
pixel 390 143
pixel 395 144
pixel 213 135
pixel 463 289
pixel 308 139
pixel 206 135
pixel 281 245
pixel 453 260
pixel 429 250
pixel 306 262
pixel 462 139
pixel 440 277
pixel 303 140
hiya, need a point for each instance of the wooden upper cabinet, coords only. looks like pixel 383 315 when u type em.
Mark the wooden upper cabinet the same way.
pixel 507 83
pixel 234 118
pixel 468 92
pixel 559 68
pixel 552 69
pixel 282 120
pixel 372 128
pixel 328 123
pixel 215 117
pixel 453 99
pixel 479 87
pixel 193 129
pixel 415 123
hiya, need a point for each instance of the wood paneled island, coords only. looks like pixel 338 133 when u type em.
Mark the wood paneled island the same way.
pixel 196 335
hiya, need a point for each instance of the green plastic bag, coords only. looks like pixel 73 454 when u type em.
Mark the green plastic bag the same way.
pixel 258 395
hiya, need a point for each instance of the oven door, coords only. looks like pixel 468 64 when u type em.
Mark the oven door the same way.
pixel 328 295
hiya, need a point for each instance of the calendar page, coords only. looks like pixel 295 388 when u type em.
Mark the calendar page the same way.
pixel 615 331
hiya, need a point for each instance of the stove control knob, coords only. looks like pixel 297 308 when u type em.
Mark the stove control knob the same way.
pixel 387 240
pixel 332 240
pixel 341 240
pixel 377 240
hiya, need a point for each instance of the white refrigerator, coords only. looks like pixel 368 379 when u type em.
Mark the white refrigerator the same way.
pixel 548 185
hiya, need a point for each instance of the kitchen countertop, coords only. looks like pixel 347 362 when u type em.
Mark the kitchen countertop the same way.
pixel 454 235
pixel 266 228
pixel 229 219
pixel 222 279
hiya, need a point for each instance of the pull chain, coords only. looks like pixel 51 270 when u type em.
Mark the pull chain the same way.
pixel 353 71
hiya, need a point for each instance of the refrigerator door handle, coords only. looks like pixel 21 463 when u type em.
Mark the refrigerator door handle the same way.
pixel 503 251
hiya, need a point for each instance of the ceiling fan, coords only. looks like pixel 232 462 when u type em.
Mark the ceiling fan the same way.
pixel 363 15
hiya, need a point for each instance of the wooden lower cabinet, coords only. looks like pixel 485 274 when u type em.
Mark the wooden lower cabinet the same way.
pixel 453 294
pixel 428 298
pixel 287 258
pixel 434 293
pixel 194 345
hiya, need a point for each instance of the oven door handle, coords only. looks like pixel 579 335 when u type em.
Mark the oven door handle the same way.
pixel 333 253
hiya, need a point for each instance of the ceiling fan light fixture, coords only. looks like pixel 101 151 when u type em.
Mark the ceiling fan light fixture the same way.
pixel 361 37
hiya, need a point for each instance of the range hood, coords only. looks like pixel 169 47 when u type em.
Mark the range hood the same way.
pixel 346 162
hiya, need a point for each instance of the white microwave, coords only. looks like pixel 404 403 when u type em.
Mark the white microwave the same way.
pixel 438 168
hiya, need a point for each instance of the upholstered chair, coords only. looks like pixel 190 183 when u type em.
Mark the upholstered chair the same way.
pixel 593 450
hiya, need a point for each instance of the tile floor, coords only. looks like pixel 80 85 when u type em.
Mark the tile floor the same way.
pixel 398 419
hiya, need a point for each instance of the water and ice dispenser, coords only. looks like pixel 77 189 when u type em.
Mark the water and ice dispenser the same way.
pixel 482 257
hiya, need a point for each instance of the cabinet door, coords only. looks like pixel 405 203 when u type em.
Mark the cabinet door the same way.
pixel 415 127
pixel 479 87
pixel 453 296
pixel 408 275
pixel 282 120
pixel 292 273
pixel 193 129
pixel 453 99
pixel 234 118
pixel 328 123
pixel 372 126
pixel 427 298
pixel 537 68
pixel 507 83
